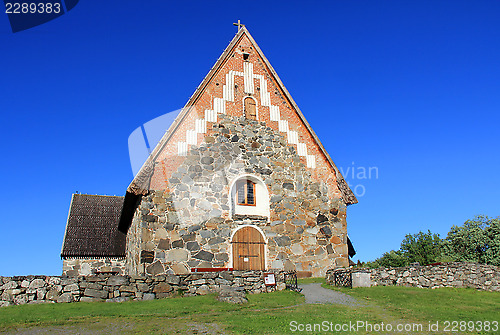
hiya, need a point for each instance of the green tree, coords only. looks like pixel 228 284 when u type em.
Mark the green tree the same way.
pixel 477 240
pixel 493 234
pixel 424 248
pixel 393 258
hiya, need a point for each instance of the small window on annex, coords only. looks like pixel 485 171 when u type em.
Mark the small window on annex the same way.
pixel 245 193
pixel 250 109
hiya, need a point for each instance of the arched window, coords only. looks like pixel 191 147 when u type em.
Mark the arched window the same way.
pixel 250 109
pixel 249 196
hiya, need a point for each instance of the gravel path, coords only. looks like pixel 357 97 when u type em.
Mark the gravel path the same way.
pixel 315 294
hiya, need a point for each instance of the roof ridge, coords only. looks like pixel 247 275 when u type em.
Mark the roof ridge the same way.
pixel 100 195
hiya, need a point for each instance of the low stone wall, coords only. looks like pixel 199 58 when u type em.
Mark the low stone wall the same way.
pixel 51 289
pixel 478 276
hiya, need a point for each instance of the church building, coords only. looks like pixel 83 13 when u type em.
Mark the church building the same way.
pixel 239 181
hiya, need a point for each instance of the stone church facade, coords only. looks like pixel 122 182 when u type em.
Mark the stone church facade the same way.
pixel 239 181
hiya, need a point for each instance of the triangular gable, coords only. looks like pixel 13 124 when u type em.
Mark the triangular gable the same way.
pixel 141 183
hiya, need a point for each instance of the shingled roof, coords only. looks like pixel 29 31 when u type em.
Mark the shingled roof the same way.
pixel 92 227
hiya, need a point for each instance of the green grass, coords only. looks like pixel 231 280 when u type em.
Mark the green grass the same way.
pixel 171 308
pixel 59 313
pixel 263 314
pixel 277 320
pixel 431 304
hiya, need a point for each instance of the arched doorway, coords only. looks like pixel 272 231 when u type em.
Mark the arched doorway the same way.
pixel 248 249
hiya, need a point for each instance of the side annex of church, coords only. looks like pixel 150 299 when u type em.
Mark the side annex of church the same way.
pixel 240 181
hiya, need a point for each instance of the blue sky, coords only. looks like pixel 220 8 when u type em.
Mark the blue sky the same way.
pixel 410 88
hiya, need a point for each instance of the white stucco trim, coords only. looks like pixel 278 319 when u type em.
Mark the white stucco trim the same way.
pixel 261 194
pixel 219 107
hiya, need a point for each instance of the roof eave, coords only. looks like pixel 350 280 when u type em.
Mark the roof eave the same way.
pixel 91 256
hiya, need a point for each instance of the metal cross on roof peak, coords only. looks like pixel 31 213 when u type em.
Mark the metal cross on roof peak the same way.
pixel 240 25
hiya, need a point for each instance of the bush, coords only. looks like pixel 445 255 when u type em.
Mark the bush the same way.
pixel 477 241
pixel 424 248
pixel 393 259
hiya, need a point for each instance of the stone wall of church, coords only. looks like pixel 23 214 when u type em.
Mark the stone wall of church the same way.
pixel 190 223
pixel 87 266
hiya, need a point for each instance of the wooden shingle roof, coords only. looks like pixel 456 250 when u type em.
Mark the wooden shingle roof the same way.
pixel 92 227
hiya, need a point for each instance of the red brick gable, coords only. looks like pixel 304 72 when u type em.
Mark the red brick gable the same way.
pixel 242 71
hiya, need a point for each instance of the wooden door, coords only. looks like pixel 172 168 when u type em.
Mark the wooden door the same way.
pixel 250 110
pixel 248 249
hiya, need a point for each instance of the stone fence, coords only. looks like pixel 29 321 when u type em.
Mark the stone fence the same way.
pixel 113 288
pixel 478 276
